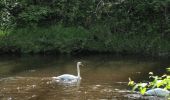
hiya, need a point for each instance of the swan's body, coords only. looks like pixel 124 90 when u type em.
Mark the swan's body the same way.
pixel 68 78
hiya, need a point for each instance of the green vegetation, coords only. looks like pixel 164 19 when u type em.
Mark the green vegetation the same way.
pixel 62 26
pixel 157 82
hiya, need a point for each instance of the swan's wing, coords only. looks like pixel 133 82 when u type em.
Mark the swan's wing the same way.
pixel 65 77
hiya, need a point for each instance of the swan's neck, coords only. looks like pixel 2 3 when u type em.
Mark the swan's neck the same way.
pixel 78 71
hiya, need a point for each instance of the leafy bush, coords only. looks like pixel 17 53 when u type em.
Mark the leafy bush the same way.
pixel 130 26
pixel 55 38
pixel 158 82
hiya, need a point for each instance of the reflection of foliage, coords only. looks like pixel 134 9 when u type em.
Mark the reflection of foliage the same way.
pixel 158 82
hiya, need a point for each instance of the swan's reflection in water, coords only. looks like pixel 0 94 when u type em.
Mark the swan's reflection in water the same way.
pixel 67 84
pixel 103 77
pixel 45 88
pixel 17 88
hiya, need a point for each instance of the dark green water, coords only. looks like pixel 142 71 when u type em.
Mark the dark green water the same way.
pixel 103 76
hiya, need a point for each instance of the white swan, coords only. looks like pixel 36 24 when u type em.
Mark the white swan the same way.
pixel 68 78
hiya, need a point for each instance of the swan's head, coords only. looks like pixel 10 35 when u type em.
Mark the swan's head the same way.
pixel 79 63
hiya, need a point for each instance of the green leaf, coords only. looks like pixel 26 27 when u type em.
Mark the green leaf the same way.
pixel 142 91
pixel 131 83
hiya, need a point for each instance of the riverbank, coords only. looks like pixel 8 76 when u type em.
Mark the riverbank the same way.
pixel 59 39
pixel 98 26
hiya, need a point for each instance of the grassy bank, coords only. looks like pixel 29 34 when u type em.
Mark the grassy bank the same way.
pixel 98 38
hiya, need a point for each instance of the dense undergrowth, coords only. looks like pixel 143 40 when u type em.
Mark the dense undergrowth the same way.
pixel 73 26
pixel 60 39
pixel 162 82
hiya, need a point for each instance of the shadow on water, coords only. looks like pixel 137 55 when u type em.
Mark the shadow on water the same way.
pixel 103 76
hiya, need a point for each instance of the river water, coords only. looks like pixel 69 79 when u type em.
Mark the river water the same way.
pixel 103 76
